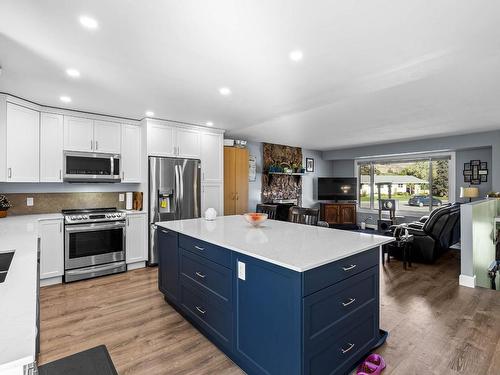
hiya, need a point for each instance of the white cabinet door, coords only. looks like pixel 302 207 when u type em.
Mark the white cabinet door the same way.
pixel 161 140
pixel 107 137
pixel 78 134
pixel 188 143
pixel 131 153
pixel 212 157
pixel 212 197
pixel 136 250
pixel 23 137
pixel 51 248
pixel 51 147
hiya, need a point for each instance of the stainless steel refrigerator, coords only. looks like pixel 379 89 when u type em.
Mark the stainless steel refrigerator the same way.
pixel 174 194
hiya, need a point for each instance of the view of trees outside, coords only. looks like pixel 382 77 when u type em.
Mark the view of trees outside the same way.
pixel 409 184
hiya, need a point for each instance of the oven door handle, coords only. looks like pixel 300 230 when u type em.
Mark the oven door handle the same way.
pixel 94 227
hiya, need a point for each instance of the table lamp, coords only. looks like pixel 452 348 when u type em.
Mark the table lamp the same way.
pixel 469 192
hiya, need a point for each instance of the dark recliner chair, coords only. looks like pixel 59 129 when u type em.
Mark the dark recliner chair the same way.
pixel 433 235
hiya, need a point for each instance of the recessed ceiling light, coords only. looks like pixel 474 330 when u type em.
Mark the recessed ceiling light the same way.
pixel 225 91
pixel 65 99
pixel 73 73
pixel 209 123
pixel 150 113
pixel 89 22
pixel 296 55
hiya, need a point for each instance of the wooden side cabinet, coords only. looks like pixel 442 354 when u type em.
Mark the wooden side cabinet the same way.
pixel 338 213
pixel 235 180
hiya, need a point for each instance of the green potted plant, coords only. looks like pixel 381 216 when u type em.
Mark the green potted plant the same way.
pixel 4 205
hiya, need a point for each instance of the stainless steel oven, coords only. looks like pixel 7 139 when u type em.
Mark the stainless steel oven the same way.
pixel 94 243
pixel 91 167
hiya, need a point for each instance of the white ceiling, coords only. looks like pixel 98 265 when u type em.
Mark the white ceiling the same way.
pixel 373 71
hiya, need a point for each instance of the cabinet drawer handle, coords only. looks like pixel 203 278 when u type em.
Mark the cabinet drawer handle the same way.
pixel 350 346
pixel 351 300
pixel 200 310
pixel 9 173
pixel 349 268
pixel 199 248
pixel 199 274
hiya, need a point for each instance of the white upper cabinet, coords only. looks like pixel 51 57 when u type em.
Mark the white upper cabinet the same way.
pixel 161 140
pixel 136 239
pixel 78 134
pixel 51 147
pixel 23 159
pixel 107 136
pixel 188 143
pixel 131 153
pixel 51 248
pixel 212 157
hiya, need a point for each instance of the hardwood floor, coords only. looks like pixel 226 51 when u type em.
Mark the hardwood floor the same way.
pixel 436 327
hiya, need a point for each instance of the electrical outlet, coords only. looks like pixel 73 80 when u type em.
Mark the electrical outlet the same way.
pixel 29 201
pixel 241 271
pixel 121 197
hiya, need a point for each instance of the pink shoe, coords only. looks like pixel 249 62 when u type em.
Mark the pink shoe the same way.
pixel 374 364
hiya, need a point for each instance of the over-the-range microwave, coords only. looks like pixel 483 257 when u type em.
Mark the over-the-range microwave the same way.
pixel 91 167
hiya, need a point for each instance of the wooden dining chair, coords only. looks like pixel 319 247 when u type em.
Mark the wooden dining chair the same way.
pixel 269 209
pixel 302 215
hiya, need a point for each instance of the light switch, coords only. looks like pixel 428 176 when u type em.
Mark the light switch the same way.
pixel 121 197
pixel 241 271
pixel 29 201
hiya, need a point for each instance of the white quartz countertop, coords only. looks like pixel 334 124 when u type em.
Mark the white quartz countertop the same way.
pixel 18 292
pixel 294 246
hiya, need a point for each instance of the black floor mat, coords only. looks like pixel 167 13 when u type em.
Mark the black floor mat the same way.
pixel 95 361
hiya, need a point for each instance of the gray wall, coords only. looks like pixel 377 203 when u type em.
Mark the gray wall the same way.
pixel 322 168
pixel 343 168
pixel 451 143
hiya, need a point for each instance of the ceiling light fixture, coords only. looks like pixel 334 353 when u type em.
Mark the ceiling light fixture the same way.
pixel 209 123
pixel 89 22
pixel 73 73
pixel 225 91
pixel 150 113
pixel 65 99
pixel 296 55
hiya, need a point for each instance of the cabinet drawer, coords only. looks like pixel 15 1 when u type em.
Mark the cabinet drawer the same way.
pixel 336 354
pixel 329 274
pixel 209 276
pixel 206 250
pixel 327 310
pixel 211 318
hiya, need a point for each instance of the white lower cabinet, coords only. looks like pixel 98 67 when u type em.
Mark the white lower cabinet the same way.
pixel 51 248
pixel 136 242
pixel 212 197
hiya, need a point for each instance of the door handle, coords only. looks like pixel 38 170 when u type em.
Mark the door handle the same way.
pixel 349 268
pixel 96 145
pixel 351 300
pixel 9 172
pixel 200 310
pixel 91 145
pixel 60 174
pixel 350 346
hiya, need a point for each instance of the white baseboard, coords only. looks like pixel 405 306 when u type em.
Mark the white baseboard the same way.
pixel 51 281
pixel 136 265
pixel 468 281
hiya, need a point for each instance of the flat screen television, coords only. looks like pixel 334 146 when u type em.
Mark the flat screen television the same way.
pixel 337 188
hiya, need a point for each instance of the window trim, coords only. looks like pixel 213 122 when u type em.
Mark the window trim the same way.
pixel 451 156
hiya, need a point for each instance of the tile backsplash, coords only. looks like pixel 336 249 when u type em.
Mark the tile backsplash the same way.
pixel 55 202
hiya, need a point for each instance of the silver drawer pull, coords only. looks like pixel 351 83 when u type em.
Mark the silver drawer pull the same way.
pixel 199 274
pixel 199 248
pixel 349 268
pixel 200 310
pixel 350 346
pixel 351 300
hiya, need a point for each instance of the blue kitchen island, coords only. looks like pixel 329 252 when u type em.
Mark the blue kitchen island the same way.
pixel 283 298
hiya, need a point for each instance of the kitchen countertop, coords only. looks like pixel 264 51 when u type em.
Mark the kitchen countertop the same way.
pixel 294 246
pixel 18 292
